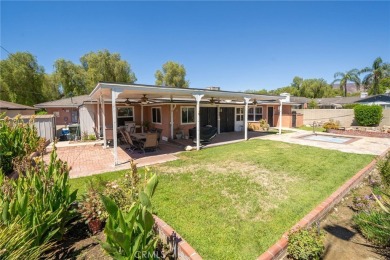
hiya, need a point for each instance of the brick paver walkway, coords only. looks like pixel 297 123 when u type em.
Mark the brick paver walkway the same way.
pixel 88 160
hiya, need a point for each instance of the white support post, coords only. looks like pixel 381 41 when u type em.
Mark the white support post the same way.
pixel 98 121
pixel 280 116
pixel 198 98
pixel 142 118
pixel 218 119
pixel 172 122
pixel 114 96
pixel 104 123
pixel 246 118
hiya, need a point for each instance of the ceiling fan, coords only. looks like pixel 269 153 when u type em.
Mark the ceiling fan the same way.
pixel 144 99
pixel 254 102
pixel 213 101
pixel 127 102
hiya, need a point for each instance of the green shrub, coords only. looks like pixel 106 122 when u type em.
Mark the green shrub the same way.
pixel 384 170
pixel 375 226
pixel 41 197
pixel 92 137
pixel 312 104
pixel 41 112
pixel 350 106
pixel 368 115
pixel 331 124
pixel 306 244
pixel 17 140
pixel 17 243
pixel 264 124
pixel 130 234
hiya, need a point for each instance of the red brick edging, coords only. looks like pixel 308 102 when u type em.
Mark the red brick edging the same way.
pixel 186 252
pixel 359 133
pixel 279 249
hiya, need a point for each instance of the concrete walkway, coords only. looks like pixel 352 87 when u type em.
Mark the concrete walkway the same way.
pixel 362 145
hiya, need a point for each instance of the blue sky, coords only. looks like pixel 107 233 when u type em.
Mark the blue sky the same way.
pixel 233 45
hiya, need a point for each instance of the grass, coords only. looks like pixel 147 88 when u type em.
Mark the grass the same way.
pixel 310 128
pixel 234 201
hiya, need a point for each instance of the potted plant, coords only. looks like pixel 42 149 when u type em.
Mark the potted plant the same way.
pixel 146 125
pixel 179 132
pixel 92 211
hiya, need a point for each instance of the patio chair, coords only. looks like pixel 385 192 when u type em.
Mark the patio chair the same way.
pixel 150 143
pixel 133 145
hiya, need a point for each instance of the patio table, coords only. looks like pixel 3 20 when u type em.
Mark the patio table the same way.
pixel 138 136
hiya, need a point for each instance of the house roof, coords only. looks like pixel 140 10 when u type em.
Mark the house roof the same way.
pixel 5 105
pixel 337 100
pixel 384 98
pixel 159 93
pixel 65 102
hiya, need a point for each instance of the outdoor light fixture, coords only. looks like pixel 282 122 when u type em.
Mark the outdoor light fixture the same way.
pixel 212 101
pixel 127 102
pixel 254 102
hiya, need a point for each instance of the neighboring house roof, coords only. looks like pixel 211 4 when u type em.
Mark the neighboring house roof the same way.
pixel 384 98
pixel 65 102
pixel 301 100
pixel 337 100
pixel 5 105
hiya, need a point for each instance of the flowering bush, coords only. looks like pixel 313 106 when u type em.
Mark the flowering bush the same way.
pixel 306 244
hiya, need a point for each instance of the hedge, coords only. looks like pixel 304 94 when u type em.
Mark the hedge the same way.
pixel 368 115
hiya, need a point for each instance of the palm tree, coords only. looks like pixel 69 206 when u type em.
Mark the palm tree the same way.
pixel 378 71
pixel 343 78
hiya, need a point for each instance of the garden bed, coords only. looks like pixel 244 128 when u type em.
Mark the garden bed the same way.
pixel 367 133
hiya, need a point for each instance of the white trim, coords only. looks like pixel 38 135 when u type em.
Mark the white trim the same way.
pixel 181 113
pixel 161 117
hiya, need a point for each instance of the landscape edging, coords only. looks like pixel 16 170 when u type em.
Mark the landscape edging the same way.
pixel 279 249
pixel 185 251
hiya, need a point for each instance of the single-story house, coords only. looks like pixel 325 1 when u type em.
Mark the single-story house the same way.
pixel 111 105
pixel 13 109
pixel 382 100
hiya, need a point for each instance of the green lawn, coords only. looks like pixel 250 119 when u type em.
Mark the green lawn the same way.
pixel 310 128
pixel 234 201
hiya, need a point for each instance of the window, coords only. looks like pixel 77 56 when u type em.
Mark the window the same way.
pixel 126 112
pixel 156 115
pixel 255 114
pixel 187 115
pixel 239 114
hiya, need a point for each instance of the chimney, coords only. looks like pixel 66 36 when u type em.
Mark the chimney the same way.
pixel 286 97
pixel 214 88
pixel 363 94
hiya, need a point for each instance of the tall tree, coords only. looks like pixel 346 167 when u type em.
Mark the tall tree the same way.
pixel 21 79
pixel 106 66
pixel 297 82
pixel 71 78
pixel 344 78
pixel 378 71
pixel 50 88
pixel 172 75
pixel 314 88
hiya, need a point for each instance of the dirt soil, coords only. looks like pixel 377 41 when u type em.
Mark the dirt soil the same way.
pixel 343 240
